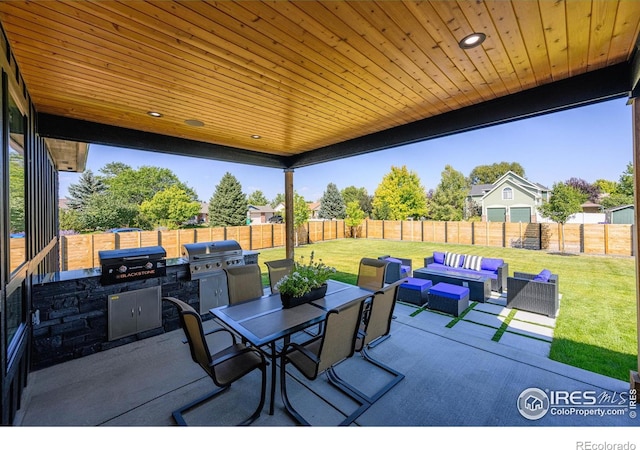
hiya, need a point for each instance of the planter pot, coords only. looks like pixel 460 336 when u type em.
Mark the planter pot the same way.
pixel 289 301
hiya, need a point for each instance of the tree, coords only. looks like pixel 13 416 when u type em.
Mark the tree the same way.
pixel 589 190
pixel 136 186
pixel 625 184
pixel 489 174
pixel 105 210
pixel 257 198
pixel 449 197
pixel 331 204
pixel 399 196
pixel 354 217
pixel 16 193
pixel 352 193
pixel 170 208
pixel 228 204
pixel 279 198
pixel 80 193
pixel 300 213
pixel 606 186
pixel 564 202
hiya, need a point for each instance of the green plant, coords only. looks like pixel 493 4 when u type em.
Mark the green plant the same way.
pixel 305 277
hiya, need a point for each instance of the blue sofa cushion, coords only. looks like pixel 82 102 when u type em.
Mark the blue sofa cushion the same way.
pixel 543 276
pixel 485 273
pixel 449 291
pixel 491 264
pixel 416 284
pixel 438 257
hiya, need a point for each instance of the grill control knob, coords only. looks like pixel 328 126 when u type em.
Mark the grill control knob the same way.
pixel 207 266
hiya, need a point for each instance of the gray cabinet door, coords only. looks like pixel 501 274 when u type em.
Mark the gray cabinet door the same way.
pixel 134 311
pixel 213 291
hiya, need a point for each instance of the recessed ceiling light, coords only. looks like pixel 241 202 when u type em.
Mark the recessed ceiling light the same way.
pixel 255 136
pixel 154 114
pixel 194 122
pixel 473 40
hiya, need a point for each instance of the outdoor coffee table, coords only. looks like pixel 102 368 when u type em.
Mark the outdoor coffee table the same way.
pixel 479 286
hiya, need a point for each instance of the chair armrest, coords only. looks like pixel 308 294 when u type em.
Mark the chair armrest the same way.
pixel 231 355
pixel 428 260
pixel 503 273
pixel 307 353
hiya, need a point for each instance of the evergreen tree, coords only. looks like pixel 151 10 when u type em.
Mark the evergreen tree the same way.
pixel 399 196
pixel 448 199
pixel 81 193
pixel 331 204
pixel 257 198
pixel 228 204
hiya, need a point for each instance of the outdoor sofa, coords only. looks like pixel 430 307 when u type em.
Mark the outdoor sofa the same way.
pixel 537 293
pixel 494 268
pixel 397 269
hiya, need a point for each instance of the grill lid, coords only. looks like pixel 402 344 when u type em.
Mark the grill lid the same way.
pixel 208 250
pixel 131 254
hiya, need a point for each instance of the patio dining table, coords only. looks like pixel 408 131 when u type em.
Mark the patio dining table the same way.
pixel 264 322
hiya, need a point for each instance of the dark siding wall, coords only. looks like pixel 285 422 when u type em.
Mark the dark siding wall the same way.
pixel 41 243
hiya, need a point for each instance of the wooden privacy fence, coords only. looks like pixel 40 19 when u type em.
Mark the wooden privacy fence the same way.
pixel 81 251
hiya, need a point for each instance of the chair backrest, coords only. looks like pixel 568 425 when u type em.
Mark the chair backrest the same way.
pixel 371 273
pixel 192 327
pixel 278 269
pixel 378 322
pixel 244 283
pixel 340 332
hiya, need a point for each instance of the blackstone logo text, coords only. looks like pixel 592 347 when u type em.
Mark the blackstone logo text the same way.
pixel 534 403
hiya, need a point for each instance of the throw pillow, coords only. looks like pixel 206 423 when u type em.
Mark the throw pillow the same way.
pixel 451 259
pixel 543 276
pixel 438 257
pixel 491 264
pixel 472 262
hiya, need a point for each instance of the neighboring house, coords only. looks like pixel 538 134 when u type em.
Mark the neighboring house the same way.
pixel 314 209
pixel 621 214
pixel 511 198
pixel 590 207
pixel 204 213
pixel 260 214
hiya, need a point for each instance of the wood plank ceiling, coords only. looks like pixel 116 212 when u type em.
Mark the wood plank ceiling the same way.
pixel 301 75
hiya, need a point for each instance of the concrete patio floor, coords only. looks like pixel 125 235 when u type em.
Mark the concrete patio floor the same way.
pixel 455 376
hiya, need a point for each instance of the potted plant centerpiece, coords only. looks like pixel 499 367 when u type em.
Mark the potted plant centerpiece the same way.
pixel 307 282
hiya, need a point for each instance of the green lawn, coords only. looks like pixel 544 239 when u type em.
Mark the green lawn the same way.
pixel 596 327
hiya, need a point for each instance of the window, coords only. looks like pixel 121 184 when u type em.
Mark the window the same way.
pixel 17 247
pixel 507 194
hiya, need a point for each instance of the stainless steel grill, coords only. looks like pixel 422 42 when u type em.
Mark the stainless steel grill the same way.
pixel 206 258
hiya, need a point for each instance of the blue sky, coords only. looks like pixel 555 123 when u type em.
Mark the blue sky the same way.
pixel 589 142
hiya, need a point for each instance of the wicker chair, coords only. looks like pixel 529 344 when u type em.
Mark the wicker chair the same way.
pixel 526 294
pixel 397 269
pixel 225 367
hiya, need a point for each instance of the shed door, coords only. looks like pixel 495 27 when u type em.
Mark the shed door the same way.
pixel 522 214
pixel 496 214
pixel 622 216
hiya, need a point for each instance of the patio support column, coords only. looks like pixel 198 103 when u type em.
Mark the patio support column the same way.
pixel 635 112
pixel 288 213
